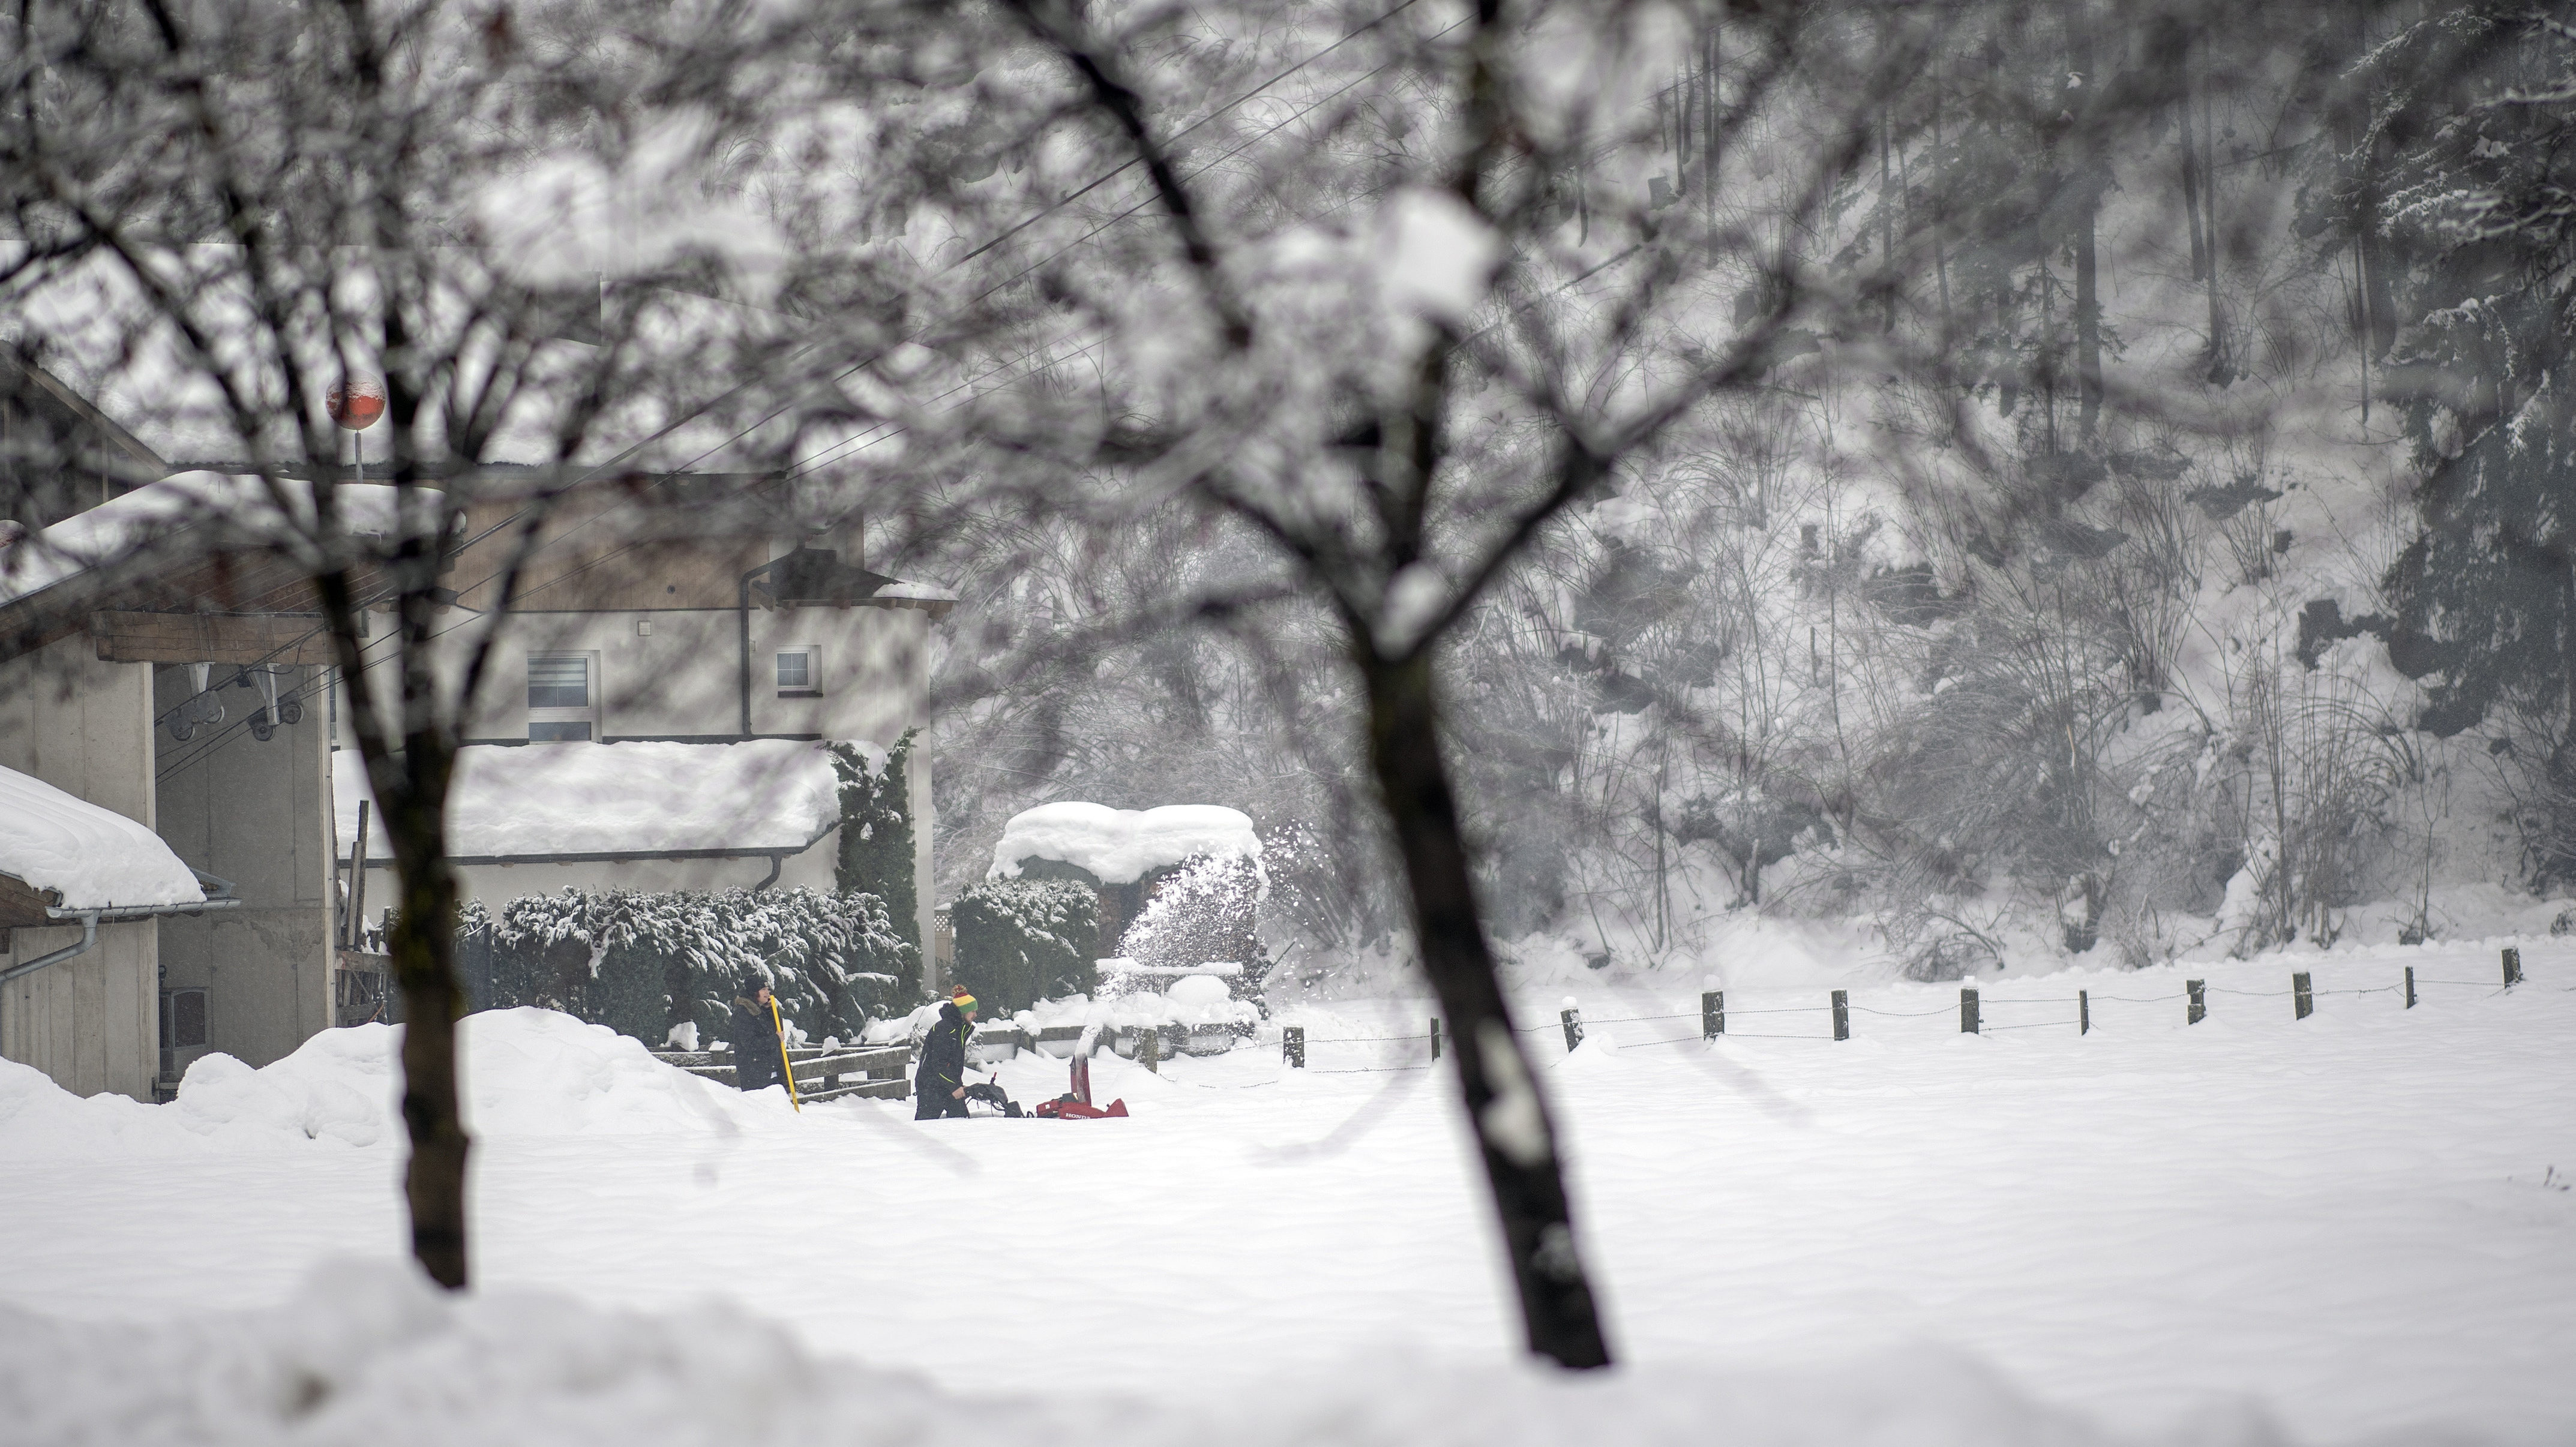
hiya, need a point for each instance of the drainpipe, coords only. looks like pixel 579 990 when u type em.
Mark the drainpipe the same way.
pixel 89 937
pixel 743 606
pixel 219 894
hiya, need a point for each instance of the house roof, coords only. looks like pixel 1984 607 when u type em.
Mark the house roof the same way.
pixel 234 511
pixel 533 802
pixel 82 856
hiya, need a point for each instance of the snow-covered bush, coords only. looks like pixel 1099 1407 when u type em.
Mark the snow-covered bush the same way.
pixel 643 964
pixel 1023 940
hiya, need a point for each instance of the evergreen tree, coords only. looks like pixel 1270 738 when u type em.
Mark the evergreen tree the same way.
pixel 2481 107
pixel 876 832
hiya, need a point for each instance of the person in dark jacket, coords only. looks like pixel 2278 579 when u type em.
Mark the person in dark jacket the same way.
pixel 939 1086
pixel 755 1038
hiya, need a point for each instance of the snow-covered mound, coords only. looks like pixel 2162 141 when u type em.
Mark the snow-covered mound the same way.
pixel 95 857
pixel 372 1354
pixel 512 802
pixel 1121 846
pixel 528 1073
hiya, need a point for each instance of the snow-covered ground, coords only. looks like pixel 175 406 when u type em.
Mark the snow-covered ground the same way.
pixel 2342 1229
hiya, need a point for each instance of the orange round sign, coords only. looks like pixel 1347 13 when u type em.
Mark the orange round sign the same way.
pixel 357 403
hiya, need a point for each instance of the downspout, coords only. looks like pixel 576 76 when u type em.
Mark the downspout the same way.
pixel 88 939
pixel 776 863
pixel 742 606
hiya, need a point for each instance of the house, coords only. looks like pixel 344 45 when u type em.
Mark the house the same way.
pixel 160 664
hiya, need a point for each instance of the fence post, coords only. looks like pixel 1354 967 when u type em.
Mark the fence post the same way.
pixel 2512 967
pixel 1712 1014
pixel 2083 1012
pixel 1842 1015
pixel 1149 1051
pixel 1967 1011
pixel 2410 987
pixel 2303 1001
pixel 2199 1006
pixel 1292 1046
pixel 1435 1037
pixel 1572 1020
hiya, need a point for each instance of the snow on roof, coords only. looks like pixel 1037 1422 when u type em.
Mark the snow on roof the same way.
pixel 516 801
pixel 123 527
pixel 1121 846
pixel 94 857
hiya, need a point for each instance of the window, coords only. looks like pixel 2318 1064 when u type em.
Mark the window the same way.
pixel 562 698
pixel 800 672
pixel 183 1019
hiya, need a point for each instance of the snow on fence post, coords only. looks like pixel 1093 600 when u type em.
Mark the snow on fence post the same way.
pixel 2192 1012
pixel 2410 987
pixel 2512 967
pixel 1572 1020
pixel 1967 1011
pixel 1435 1037
pixel 1712 1014
pixel 2303 1001
pixel 1292 1046
pixel 1842 1015
pixel 2083 1012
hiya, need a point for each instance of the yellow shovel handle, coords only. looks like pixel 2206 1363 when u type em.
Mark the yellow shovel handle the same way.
pixel 783 1062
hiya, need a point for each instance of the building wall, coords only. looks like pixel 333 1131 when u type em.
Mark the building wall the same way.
pixel 256 813
pixel 85 727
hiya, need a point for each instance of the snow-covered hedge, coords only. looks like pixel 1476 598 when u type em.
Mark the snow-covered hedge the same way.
pixel 641 964
pixel 1020 941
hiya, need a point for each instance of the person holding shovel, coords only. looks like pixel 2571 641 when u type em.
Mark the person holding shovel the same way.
pixel 939 1086
pixel 756 1059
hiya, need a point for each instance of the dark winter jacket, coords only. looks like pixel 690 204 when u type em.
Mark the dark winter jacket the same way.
pixel 755 1044
pixel 943 1054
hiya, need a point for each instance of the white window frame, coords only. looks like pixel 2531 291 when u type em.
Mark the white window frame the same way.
pixel 587 715
pixel 813 670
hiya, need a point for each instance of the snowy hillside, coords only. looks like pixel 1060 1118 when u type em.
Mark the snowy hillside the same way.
pixel 2350 1228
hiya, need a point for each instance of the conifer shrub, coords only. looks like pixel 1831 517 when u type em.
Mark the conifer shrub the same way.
pixel 1020 941
pixel 876 831
pixel 643 963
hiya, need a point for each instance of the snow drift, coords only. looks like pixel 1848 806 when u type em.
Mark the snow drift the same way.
pixel 528 1073
pixel 373 1354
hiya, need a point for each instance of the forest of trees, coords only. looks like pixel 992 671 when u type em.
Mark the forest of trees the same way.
pixel 2162 350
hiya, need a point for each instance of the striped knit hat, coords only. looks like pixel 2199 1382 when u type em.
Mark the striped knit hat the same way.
pixel 959 998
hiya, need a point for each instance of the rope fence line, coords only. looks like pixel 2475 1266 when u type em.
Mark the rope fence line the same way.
pixel 1971 1009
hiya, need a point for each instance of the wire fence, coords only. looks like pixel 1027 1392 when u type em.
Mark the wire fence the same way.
pixel 1973 1009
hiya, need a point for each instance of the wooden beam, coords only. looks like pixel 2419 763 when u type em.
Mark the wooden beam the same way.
pixel 280 638
pixel 21 907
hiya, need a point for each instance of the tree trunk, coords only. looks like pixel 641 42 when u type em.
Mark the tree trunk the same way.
pixel 1513 1132
pixel 423 945
pixel 2088 202
pixel 411 798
